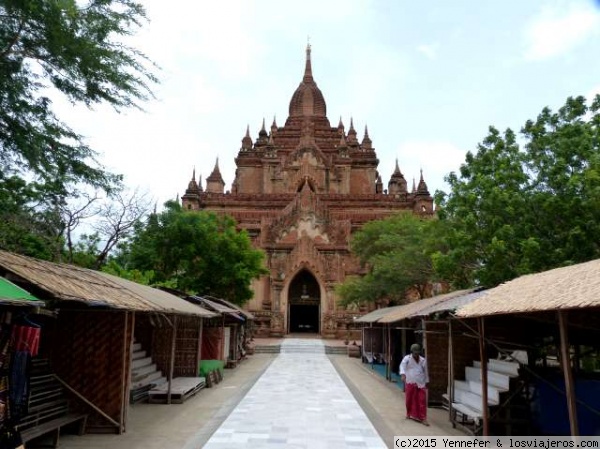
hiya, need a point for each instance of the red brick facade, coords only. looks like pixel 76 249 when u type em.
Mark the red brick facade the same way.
pixel 300 191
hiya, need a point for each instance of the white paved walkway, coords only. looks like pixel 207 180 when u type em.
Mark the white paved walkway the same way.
pixel 299 402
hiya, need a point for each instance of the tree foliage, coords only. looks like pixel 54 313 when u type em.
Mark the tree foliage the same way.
pixel 78 50
pixel 397 255
pixel 195 251
pixel 514 209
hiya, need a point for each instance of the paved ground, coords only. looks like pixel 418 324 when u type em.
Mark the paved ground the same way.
pixel 299 402
pixel 243 408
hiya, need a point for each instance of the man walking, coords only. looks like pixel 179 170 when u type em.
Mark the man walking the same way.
pixel 413 372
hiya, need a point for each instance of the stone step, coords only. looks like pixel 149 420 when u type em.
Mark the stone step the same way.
pixel 267 349
pixel 136 347
pixel 140 363
pixel 336 350
pixel 138 355
pixel 142 371
pixel 155 378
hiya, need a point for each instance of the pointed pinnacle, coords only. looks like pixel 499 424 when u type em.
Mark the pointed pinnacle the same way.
pixel 308 67
pixel 247 130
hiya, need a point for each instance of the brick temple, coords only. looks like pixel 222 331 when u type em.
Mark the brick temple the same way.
pixel 300 191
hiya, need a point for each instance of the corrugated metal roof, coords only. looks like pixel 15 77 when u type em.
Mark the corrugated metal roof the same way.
pixel 416 307
pixel 373 316
pixel 168 302
pixel 572 287
pixel 68 282
pixel 243 312
pixel 451 304
pixel 217 307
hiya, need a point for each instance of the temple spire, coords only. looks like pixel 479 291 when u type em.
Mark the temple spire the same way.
pixel 247 140
pixel 274 126
pixel 308 77
pixel 352 133
pixel 366 142
pixel 422 188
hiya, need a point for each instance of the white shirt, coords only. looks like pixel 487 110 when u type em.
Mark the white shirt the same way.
pixel 415 372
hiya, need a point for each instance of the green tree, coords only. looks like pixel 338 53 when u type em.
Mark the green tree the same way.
pixel 25 224
pixel 486 209
pixel 76 49
pixel 397 255
pixel 195 251
pixel 513 211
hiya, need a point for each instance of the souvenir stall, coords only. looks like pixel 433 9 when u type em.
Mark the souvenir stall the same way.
pixel 19 342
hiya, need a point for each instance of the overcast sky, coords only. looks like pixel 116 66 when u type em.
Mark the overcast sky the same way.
pixel 428 77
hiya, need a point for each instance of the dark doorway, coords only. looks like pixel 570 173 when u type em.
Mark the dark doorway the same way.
pixel 304 299
pixel 304 318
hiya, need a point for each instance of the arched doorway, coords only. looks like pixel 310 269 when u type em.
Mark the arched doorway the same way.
pixel 304 299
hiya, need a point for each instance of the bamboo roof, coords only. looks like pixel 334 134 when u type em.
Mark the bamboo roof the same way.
pixel 572 287
pixel 166 301
pixel 72 283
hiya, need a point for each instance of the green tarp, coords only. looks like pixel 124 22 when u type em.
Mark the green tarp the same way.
pixel 13 294
pixel 209 365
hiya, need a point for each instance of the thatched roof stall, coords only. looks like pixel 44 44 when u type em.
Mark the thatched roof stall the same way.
pixel 89 343
pixel 220 339
pixel 555 316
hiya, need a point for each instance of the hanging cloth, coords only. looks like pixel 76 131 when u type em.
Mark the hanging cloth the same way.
pixel 19 385
pixel 27 339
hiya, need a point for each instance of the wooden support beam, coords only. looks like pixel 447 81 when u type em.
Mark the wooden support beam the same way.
pixel 124 373
pixel 389 353
pixel 565 359
pixel 172 361
pixel 199 350
pixel 484 377
pixel 450 369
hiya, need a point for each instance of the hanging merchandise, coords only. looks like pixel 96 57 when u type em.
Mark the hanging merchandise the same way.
pixel 27 339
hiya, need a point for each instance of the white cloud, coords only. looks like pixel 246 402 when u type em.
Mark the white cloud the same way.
pixel 437 159
pixel 557 30
pixel 429 50
pixel 591 95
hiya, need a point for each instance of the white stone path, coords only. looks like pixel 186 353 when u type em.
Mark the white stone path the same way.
pixel 299 402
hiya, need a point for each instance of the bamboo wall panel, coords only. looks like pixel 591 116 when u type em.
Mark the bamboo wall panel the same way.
pixel 88 355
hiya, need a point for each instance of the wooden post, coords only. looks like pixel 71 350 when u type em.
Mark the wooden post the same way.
pixel 222 340
pixel 362 342
pixel 199 353
pixel 124 372
pixel 389 352
pixel 450 369
pixel 372 355
pixel 484 377
pixel 172 364
pixel 129 369
pixel 565 359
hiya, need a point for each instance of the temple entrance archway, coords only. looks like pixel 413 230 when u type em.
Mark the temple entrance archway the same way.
pixel 304 304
